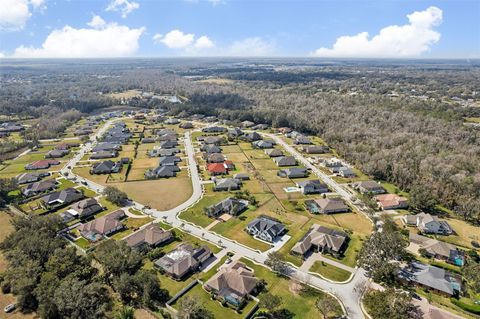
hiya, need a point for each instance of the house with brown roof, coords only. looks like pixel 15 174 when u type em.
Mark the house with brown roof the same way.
pixel 435 249
pixel 273 152
pixel 39 187
pixel 282 161
pixel 321 239
pixel 106 225
pixel 327 206
pixel 215 158
pixel 366 187
pixel 183 260
pixel 41 164
pixel 151 236
pixel 391 201
pixel 233 283
pixel 315 149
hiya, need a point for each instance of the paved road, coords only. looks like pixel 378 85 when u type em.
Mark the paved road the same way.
pixel 348 294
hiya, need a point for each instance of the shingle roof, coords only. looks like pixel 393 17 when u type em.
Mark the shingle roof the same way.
pixel 151 235
pixel 236 277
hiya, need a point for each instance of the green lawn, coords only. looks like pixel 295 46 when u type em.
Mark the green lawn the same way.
pixel 350 256
pixel 82 243
pixel 65 183
pixel 196 215
pixel 87 192
pixel 329 271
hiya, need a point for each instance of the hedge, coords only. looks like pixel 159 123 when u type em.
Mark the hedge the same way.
pixel 467 307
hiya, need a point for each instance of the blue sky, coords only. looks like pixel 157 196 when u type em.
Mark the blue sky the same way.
pixel 109 28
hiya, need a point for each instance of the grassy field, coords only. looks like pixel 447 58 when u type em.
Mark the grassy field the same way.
pixel 329 271
pixel 196 214
pixel 162 194
pixel 131 225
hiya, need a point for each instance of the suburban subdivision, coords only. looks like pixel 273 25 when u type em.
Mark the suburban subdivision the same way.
pixel 172 204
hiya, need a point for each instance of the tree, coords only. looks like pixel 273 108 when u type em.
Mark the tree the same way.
pixel 421 198
pixel 269 301
pixel 117 258
pixel 275 261
pixel 472 276
pixel 141 289
pixel 6 186
pixel 391 304
pixel 379 252
pixel 326 306
pixel 191 309
pixel 125 313
pixel 115 196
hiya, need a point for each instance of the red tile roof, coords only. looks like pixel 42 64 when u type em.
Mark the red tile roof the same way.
pixel 216 168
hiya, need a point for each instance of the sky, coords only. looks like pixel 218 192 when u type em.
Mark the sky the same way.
pixel 240 28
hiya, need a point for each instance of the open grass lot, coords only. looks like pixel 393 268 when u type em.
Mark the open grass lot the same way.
pixel 5 229
pixel 270 176
pixel 298 301
pixel 87 192
pixel 227 149
pixel 214 306
pixel 329 271
pixel 264 164
pixel 237 157
pixel 131 225
pixel 257 154
pixel 196 214
pixel 85 172
pixel 162 194
pixel 65 183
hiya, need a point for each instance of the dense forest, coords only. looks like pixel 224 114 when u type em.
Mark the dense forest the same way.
pixel 394 120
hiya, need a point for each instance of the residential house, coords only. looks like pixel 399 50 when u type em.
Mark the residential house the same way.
pixel 217 169
pixel 186 125
pixel 346 172
pixel 158 152
pixel 10 127
pixel 266 228
pixel 103 226
pixel 104 154
pixel 215 158
pixel 85 208
pixel 366 187
pixel 315 149
pixel 106 147
pixel 226 184
pixel 41 164
pixel 302 140
pixel 172 121
pixel 214 129
pixel 231 206
pixel 210 149
pixel 436 249
pixel 106 167
pixel 235 132
pixel 63 197
pixel 262 144
pixel 391 201
pixel 294 172
pixel 260 127
pixel 252 137
pixel 26 178
pixel 169 161
pixel 183 260
pixel 168 144
pixel 273 152
pixel 151 236
pixel 312 187
pixel 431 278
pixel 161 172
pixel 66 146
pixel 428 224
pixel 56 153
pixel 148 140
pixel 326 206
pixel 213 140
pixel 241 176
pixel 285 161
pixel 321 239
pixel 167 137
pixel 39 187
pixel 247 124
pixel 233 283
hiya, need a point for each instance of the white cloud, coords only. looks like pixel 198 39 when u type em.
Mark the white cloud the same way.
pixel 97 22
pixel 254 46
pixel 394 41
pixel 203 43
pixel 124 6
pixel 15 17
pixel 15 13
pixel 215 2
pixel 175 39
pixel 111 40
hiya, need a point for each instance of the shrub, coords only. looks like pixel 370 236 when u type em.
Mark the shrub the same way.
pixel 467 307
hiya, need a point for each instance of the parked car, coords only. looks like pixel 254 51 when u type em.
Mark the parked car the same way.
pixel 9 308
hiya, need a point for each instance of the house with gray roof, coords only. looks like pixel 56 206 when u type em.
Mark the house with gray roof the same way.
pixel 273 152
pixel 213 140
pixel 210 149
pixel 26 178
pixel 85 208
pixel 285 161
pixel 235 132
pixel 107 225
pixel 226 184
pixel 436 249
pixel 106 167
pixel 262 144
pixel 63 197
pixel 183 260
pixel 266 228
pixel 327 206
pixel 321 239
pixel 431 278
pixel 241 176
pixel 252 137
pixel 106 147
pixel 315 149
pixel 231 206
pixel 346 172
pixel 215 158
pixel 39 187
pixel 428 224
pixel 168 144
pixel 294 172
pixel 169 160
pixel 162 172
pixel 214 129
pixel 366 187
pixel 56 153
pixel 312 187
pixel 158 152
pixel 104 154
pixel 302 140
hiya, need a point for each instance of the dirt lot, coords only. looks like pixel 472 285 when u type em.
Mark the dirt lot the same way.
pixel 162 194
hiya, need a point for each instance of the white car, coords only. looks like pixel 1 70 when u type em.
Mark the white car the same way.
pixel 9 308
